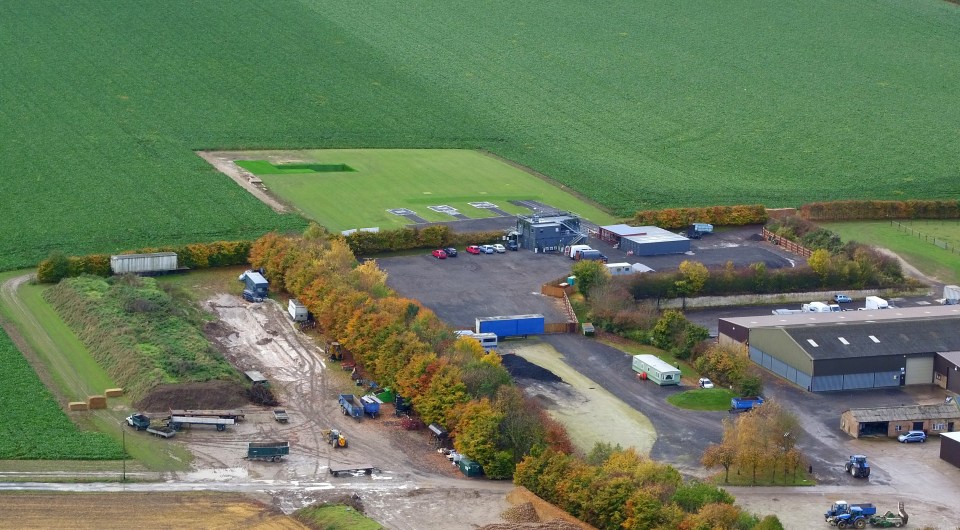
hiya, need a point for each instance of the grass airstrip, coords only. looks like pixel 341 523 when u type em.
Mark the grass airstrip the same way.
pixel 355 188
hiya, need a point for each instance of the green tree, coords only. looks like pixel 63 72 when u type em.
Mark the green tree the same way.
pixel 589 274
pixel 694 495
pixel 600 452
pixel 477 433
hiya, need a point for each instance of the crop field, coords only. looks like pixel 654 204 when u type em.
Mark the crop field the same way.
pixel 634 104
pixel 325 185
pixel 141 510
pixel 932 246
pixel 35 427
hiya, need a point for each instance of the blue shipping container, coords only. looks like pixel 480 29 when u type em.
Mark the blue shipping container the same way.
pixel 511 326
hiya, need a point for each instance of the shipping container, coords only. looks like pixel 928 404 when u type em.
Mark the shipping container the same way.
pixel 511 326
pixel 155 262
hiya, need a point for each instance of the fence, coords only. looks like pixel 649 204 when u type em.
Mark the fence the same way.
pixel 945 245
pixel 786 244
pixel 570 326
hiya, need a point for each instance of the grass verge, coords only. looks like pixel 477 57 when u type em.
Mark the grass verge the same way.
pixel 702 399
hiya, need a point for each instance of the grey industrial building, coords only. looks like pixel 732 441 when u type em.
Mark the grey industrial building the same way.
pixel 549 231
pixel 854 349
pixel 644 240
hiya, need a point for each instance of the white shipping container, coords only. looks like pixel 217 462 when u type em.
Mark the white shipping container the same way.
pixel 137 263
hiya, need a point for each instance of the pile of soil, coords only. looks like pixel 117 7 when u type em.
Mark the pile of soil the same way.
pixel 209 395
pixel 521 368
pixel 521 513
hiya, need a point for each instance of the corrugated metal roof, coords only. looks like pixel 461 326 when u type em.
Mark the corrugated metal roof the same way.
pixel 951 356
pixel 872 339
pixel 943 411
pixel 898 313
pixel 137 256
pixel 653 234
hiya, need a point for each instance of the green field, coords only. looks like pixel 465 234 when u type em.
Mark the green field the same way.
pixel 913 241
pixel 75 374
pixel 34 426
pixel 404 178
pixel 634 104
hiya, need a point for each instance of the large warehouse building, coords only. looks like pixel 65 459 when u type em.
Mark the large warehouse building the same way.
pixel 854 349
pixel 644 240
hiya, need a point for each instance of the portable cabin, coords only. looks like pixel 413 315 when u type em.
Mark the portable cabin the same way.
pixel 487 340
pixel 656 370
pixel 619 269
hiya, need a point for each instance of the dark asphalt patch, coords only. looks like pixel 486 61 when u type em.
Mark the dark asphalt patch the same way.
pixel 521 368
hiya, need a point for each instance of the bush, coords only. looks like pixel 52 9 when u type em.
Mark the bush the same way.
pixel 672 218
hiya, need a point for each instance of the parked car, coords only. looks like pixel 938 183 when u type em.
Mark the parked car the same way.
pixel 500 249
pixel 512 245
pixel 473 249
pixel 842 299
pixel 451 252
pixel 705 383
pixel 487 249
pixel 912 436
pixel 439 254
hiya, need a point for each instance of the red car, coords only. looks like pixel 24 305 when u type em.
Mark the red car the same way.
pixel 439 254
pixel 473 249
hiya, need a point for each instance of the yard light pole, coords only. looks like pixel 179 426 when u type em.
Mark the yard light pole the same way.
pixel 123 438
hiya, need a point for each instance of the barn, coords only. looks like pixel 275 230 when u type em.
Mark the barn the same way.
pixel 894 421
pixel 852 349
pixel 643 240
pixel 549 231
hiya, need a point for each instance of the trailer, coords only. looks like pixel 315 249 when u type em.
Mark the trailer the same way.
pixel 371 405
pixel 787 311
pixel 743 404
pixel 655 369
pixel 819 307
pixel 350 406
pixel 297 311
pixel 146 264
pixel 162 432
pixel 267 451
pixel 345 469
pixel 280 416
pixel 179 422
pixel 236 414
pixel 511 326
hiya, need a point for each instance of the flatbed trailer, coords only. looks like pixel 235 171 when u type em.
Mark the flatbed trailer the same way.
pixel 178 422
pixel 235 414
pixel 344 469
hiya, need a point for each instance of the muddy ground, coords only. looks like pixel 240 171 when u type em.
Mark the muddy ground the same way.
pixel 417 488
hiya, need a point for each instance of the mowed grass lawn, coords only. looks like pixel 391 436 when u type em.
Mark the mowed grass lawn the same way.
pixel 414 179
pixel 915 246
pixel 634 104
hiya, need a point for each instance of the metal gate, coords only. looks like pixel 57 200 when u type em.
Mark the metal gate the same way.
pixel 919 371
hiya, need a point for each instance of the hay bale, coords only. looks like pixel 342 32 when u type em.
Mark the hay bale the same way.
pixel 113 392
pixel 97 402
pixel 77 405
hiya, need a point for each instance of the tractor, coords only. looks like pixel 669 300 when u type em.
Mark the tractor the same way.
pixel 845 515
pixel 336 438
pixel 857 466
pixel 890 519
